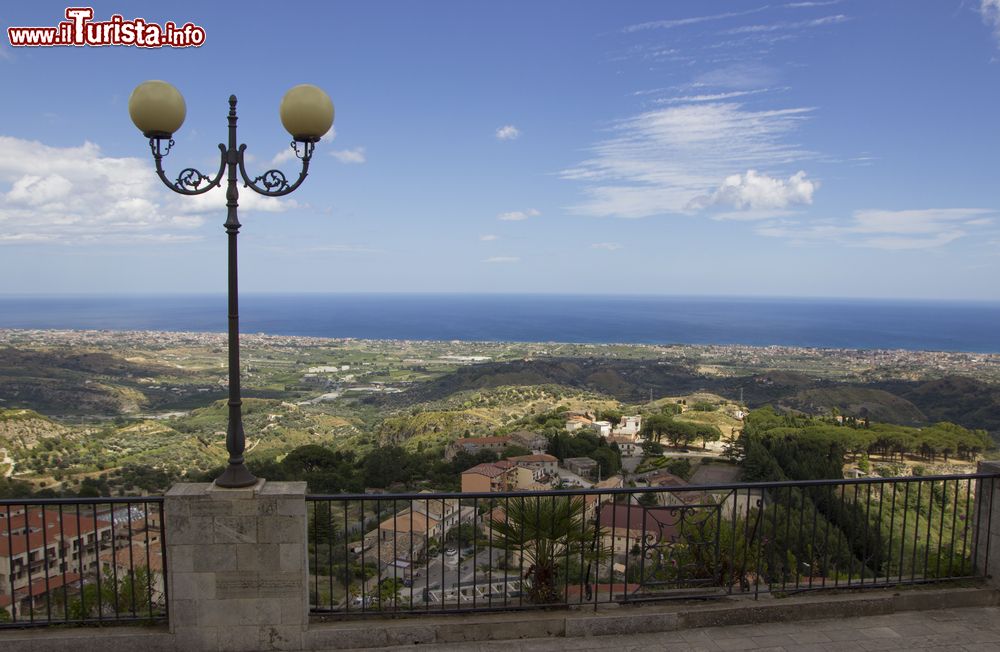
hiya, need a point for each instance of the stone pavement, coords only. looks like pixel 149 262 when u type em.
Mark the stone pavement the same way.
pixel 974 629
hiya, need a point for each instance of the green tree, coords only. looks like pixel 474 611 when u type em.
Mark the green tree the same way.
pixel 131 592
pixel 707 433
pixel 513 450
pixel 547 530
pixel 611 416
pixel 652 448
pixel 609 461
pixel 656 426
pixel 648 499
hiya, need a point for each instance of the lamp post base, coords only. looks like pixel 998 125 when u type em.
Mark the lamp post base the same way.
pixel 236 476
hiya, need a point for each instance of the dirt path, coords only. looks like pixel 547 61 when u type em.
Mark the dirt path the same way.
pixel 9 461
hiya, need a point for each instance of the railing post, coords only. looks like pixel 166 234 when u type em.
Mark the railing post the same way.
pixel 236 564
pixel 986 524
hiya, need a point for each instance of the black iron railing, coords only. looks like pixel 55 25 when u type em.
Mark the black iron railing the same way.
pixel 440 553
pixel 82 560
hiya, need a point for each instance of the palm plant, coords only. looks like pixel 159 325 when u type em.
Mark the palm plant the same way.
pixel 548 531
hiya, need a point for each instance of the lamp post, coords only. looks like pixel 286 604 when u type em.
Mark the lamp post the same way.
pixel 158 110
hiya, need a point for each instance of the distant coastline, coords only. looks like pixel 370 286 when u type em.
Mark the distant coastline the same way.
pixel 818 323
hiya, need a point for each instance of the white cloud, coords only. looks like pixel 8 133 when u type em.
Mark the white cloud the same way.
pixel 990 11
pixel 758 192
pixel 356 155
pixel 883 229
pixel 609 246
pixel 489 237
pixel 814 3
pixel 745 76
pixel 502 259
pixel 344 248
pixel 97 239
pixel 517 216
pixel 283 156
pixel 37 191
pixel 77 195
pixel 681 22
pixel 710 97
pixel 799 24
pixel 508 132
pixel 214 201
pixel 752 215
pixel 659 161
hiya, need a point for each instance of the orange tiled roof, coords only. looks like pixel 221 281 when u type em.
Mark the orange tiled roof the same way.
pixel 537 457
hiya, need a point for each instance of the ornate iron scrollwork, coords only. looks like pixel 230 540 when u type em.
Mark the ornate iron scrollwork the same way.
pixel 190 178
pixel 679 547
pixel 157 148
pixel 190 181
pixel 272 181
pixel 307 150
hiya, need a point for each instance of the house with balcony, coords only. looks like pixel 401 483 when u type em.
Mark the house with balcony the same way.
pixel 493 477
pixel 37 542
pixel 542 465
pixel 628 446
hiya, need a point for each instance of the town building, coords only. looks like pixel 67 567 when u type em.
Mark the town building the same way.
pixel 591 500
pixel 628 446
pixel 446 512
pixel 42 550
pixel 487 477
pixel 582 466
pixel 504 475
pixel 628 426
pixel 625 526
pixel 602 428
pixel 474 445
pixel 533 441
pixel 576 422
pixel 542 464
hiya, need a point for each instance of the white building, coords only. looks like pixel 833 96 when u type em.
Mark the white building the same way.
pixel 628 426
pixel 603 428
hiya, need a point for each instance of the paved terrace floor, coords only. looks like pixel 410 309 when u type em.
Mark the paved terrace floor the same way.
pixel 960 630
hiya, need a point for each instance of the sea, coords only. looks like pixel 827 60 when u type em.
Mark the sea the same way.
pixel 826 323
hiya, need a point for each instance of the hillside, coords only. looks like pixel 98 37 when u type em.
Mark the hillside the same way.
pixel 959 399
pixel 74 382
pixel 480 413
pixel 966 401
pixel 626 380
pixel 876 404
pixel 26 429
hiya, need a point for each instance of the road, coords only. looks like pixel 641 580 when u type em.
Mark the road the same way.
pixel 458 578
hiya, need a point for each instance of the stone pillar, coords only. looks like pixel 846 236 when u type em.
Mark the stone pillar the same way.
pixel 236 564
pixel 986 534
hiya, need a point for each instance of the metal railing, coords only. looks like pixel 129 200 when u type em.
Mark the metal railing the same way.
pixel 82 560
pixel 454 553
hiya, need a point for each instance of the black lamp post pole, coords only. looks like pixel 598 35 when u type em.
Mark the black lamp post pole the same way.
pixel 236 474
pixel 272 183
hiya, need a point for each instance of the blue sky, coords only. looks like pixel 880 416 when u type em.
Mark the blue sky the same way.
pixel 817 148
